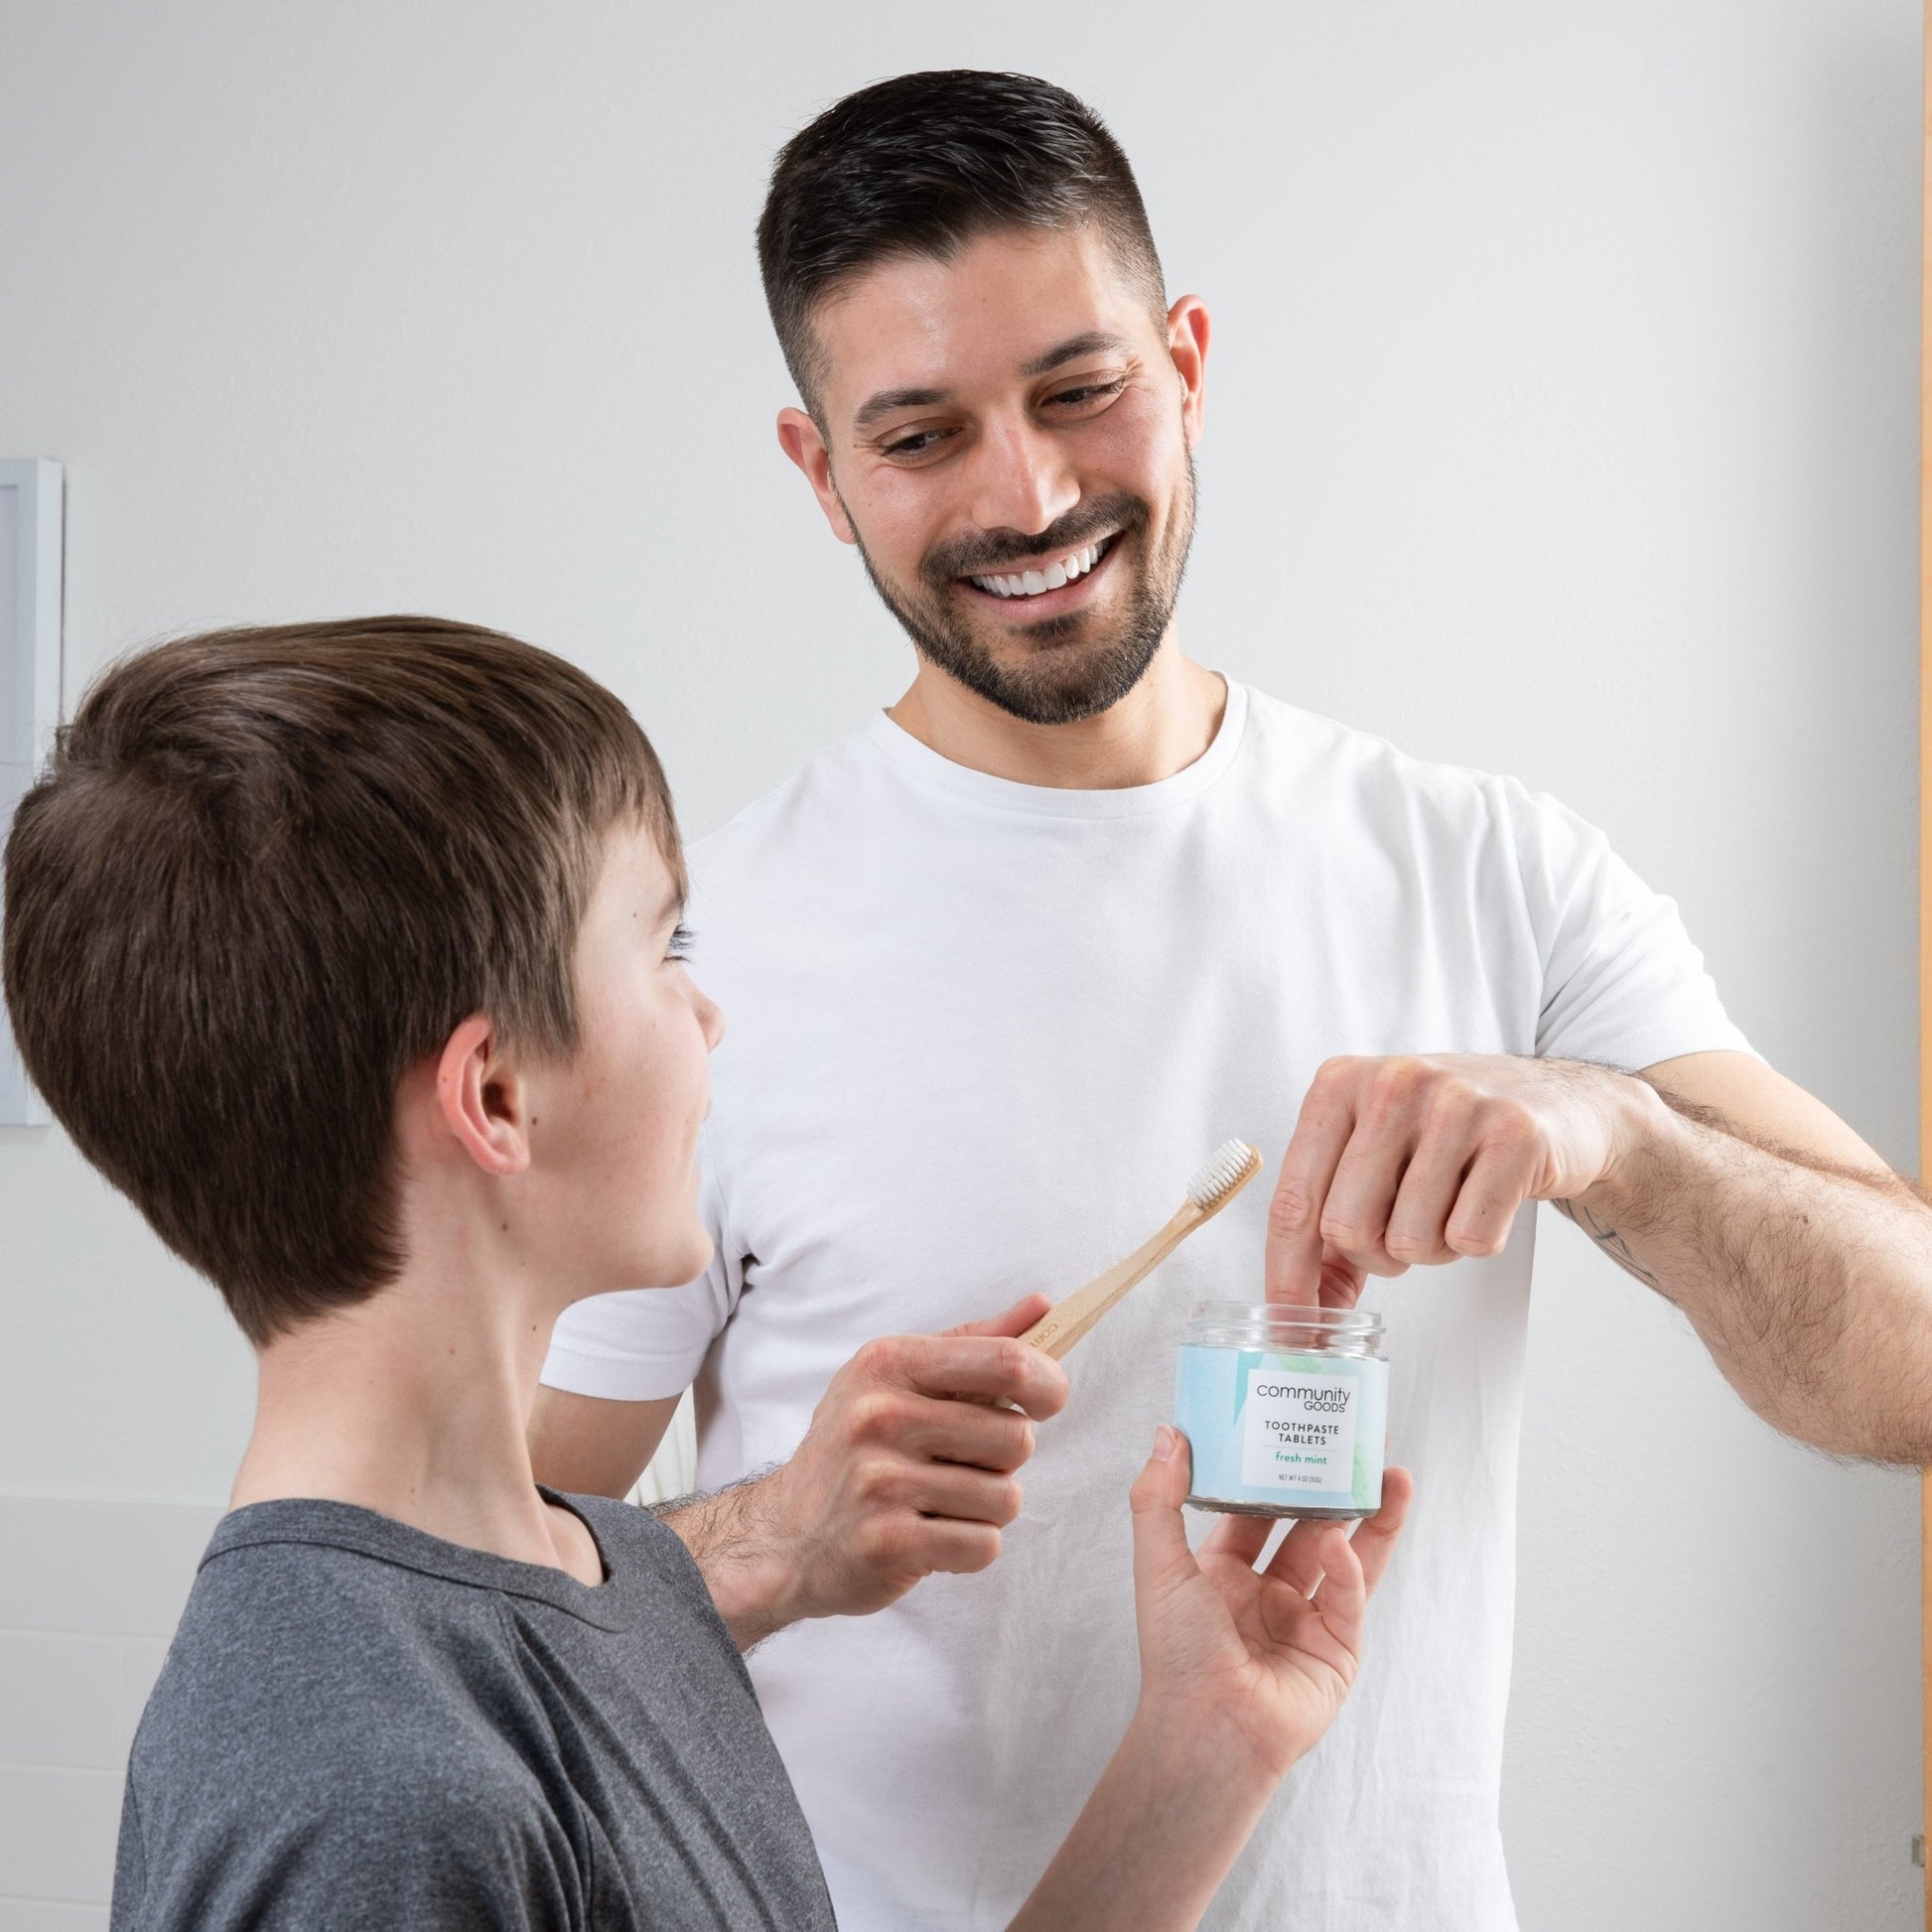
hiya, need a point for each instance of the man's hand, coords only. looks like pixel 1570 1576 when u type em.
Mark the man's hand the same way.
pixel 1402 1161
pixel 897 1477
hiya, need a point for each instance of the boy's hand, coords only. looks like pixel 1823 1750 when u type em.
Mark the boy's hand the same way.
pixel 896 1478
pixel 1240 1673
pixel 1245 1662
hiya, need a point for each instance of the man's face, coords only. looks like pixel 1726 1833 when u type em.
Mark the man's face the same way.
pixel 1008 440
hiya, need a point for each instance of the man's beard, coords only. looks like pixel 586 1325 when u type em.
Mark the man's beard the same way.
pixel 1067 673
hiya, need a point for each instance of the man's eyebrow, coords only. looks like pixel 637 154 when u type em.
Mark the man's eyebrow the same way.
pixel 1096 341
pixel 886 401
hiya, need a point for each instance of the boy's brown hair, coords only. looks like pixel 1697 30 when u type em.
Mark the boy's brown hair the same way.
pixel 268 870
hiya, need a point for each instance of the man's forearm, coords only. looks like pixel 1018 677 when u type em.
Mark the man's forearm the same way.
pixel 1811 1285
pixel 735 1538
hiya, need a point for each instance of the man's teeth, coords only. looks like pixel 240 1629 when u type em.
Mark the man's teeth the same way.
pixel 1032 583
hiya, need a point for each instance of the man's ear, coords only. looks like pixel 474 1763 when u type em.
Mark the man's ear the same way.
pixel 1187 332
pixel 799 437
pixel 483 1099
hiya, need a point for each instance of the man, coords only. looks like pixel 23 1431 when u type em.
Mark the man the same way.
pixel 1006 963
pixel 352 953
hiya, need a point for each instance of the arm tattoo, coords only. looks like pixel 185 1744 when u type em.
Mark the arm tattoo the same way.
pixel 1609 1240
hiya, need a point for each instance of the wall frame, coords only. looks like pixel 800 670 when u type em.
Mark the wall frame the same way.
pixel 29 681
pixel 1924 1846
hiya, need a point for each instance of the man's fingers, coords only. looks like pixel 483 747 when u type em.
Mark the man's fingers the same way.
pixel 1015 1320
pixel 1375 1540
pixel 999 1368
pixel 899 1421
pixel 1418 1220
pixel 925 1544
pixel 1292 1269
pixel 1341 1280
pixel 1363 1191
pixel 1160 1552
pixel 957 1494
pixel 1498 1184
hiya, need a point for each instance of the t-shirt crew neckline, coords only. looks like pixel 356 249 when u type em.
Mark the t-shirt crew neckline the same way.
pixel 615 1604
pixel 1054 801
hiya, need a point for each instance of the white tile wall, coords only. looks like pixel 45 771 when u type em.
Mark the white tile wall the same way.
pixel 89 1595
pixel 50 1916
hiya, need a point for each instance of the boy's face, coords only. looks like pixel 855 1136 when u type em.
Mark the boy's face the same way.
pixel 614 1132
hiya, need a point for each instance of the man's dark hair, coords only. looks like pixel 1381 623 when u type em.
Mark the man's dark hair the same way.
pixel 266 872
pixel 922 165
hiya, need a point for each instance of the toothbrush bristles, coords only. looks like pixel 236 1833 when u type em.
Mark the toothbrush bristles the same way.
pixel 1231 1166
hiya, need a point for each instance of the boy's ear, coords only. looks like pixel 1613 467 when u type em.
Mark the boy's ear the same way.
pixel 483 1099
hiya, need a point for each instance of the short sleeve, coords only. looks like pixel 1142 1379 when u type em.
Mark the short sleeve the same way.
pixel 1622 984
pixel 418 1852
pixel 647 1343
pixel 130 1865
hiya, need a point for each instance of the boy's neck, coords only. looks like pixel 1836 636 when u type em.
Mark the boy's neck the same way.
pixel 413 1404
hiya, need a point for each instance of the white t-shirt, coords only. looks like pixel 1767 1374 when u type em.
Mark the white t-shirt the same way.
pixel 978 1035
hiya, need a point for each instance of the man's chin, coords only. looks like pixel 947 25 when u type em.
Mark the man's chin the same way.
pixel 1048 675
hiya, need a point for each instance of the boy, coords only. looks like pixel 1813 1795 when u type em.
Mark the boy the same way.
pixel 352 953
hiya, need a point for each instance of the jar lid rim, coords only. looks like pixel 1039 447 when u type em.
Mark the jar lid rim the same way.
pixel 1243 1314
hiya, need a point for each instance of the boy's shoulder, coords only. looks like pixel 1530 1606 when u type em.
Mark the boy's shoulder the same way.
pixel 323 1646
pixel 334 1732
pixel 311 1617
pixel 358 1723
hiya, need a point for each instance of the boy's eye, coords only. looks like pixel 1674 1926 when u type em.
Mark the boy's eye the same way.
pixel 679 948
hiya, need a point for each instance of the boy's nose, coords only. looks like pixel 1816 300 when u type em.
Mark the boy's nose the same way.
pixel 711 1018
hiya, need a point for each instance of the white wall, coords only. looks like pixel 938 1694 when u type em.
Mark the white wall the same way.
pixel 1563 422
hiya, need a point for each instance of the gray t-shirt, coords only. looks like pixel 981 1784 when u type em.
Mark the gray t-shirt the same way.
pixel 361 1724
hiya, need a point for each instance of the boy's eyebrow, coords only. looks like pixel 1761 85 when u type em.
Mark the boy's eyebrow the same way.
pixel 674 907
pixel 1096 341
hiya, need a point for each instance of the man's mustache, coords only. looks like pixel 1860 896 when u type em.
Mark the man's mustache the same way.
pixel 998 551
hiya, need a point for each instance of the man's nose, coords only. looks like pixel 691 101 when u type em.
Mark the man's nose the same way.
pixel 1021 480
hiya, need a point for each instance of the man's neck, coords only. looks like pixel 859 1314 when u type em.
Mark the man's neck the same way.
pixel 1161 727
pixel 413 1404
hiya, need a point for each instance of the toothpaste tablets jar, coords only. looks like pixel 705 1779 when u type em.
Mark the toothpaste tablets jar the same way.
pixel 1285 1408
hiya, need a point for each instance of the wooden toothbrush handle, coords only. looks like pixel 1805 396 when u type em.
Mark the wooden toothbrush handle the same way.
pixel 1070 1318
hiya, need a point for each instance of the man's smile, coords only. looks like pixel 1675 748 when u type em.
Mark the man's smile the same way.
pixel 1051 584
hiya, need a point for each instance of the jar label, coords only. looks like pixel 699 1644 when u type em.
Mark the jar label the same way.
pixel 1298 1428
pixel 1285 1431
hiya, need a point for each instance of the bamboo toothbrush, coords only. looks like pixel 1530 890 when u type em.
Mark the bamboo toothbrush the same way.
pixel 1217 1182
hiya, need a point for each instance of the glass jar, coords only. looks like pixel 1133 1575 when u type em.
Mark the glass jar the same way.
pixel 1285 1408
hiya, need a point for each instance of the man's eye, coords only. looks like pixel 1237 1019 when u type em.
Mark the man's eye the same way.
pixel 1087 392
pixel 919 443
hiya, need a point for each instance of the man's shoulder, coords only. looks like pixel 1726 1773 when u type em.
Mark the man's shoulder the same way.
pixel 1308 757
pixel 806 809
